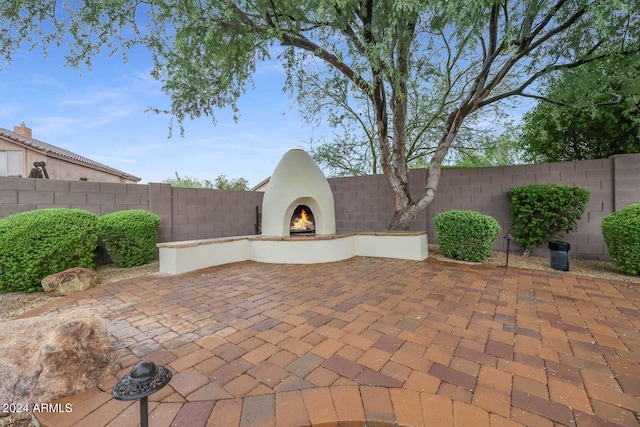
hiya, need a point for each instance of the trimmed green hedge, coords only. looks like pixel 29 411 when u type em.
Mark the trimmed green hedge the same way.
pixel 129 236
pixel 541 211
pixel 466 235
pixel 38 243
pixel 621 232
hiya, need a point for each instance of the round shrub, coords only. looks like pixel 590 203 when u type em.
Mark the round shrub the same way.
pixel 129 236
pixel 621 231
pixel 466 235
pixel 38 243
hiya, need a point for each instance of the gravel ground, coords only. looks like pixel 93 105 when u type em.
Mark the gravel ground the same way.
pixel 14 304
pixel 599 269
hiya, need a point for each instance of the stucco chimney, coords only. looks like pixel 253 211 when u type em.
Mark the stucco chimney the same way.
pixel 23 131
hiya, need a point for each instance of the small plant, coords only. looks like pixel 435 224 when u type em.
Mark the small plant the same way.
pixel 38 243
pixel 129 236
pixel 542 211
pixel 466 235
pixel 621 232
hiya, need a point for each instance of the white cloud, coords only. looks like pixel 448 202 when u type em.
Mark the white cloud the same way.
pixel 89 98
pixel 52 125
pixel 270 66
pixel 46 80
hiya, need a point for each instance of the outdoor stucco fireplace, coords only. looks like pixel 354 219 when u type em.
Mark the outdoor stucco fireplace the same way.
pixel 298 227
pixel 298 185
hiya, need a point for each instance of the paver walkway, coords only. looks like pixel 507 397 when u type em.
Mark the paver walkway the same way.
pixel 376 340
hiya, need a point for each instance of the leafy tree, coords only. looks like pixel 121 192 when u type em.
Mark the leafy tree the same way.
pixel 497 151
pixel 594 113
pixel 224 183
pixel 486 149
pixel 353 149
pixel 461 57
pixel 188 182
pixel 500 150
pixel 220 183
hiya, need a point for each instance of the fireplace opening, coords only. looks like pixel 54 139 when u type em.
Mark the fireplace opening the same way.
pixel 302 221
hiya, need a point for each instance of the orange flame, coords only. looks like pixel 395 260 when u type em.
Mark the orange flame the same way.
pixel 302 222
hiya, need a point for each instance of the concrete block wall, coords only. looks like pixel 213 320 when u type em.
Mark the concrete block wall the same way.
pixel 160 204
pixel 204 213
pixel 27 194
pixel 485 190
pixel 481 190
pixel 366 203
pixel 363 203
pixel 626 177
pixel 186 213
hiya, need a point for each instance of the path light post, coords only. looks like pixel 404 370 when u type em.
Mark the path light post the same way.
pixel 144 379
pixel 509 238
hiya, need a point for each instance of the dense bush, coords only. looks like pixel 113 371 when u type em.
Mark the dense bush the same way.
pixel 621 232
pixel 38 243
pixel 466 235
pixel 541 211
pixel 129 236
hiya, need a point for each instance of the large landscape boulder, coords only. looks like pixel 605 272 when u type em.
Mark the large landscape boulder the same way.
pixel 46 357
pixel 70 281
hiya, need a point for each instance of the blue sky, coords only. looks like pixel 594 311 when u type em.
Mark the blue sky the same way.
pixel 100 114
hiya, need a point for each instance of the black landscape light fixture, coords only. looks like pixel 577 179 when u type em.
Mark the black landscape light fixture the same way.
pixel 509 238
pixel 144 379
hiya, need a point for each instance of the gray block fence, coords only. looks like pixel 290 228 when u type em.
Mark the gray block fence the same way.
pixel 363 203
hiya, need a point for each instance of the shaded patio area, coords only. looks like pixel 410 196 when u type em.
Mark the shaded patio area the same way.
pixel 370 340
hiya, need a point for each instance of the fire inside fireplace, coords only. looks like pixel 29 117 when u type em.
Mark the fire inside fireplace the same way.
pixel 302 221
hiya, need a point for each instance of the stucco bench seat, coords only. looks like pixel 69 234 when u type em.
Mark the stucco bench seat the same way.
pixel 184 256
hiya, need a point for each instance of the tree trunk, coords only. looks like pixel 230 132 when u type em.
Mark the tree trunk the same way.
pixel 402 219
pixel 405 209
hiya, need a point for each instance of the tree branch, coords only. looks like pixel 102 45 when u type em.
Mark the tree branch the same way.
pixel 348 31
pixel 618 99
pixel 526 48
pixel 546 20
pixel 325 55
pixel 569 65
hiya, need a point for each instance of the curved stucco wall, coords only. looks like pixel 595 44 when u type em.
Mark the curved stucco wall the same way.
pixel 297 180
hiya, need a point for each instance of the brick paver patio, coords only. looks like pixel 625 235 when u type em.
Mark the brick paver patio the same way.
pixel 370 340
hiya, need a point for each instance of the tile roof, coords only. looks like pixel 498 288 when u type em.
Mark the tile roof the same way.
pixel 61 153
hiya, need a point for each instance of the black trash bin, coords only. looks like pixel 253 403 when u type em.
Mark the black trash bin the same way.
pixel 559 255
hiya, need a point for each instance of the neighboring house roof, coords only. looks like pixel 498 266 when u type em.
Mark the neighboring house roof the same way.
pixel 61 153
pixel 263 182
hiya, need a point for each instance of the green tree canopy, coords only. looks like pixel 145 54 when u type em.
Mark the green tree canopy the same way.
pixel 220 183
pixel 461 57
pixel 237 184
pixel 592 112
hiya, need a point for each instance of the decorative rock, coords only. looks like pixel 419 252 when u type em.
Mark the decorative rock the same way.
pixel 70 281
pixel 46 357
